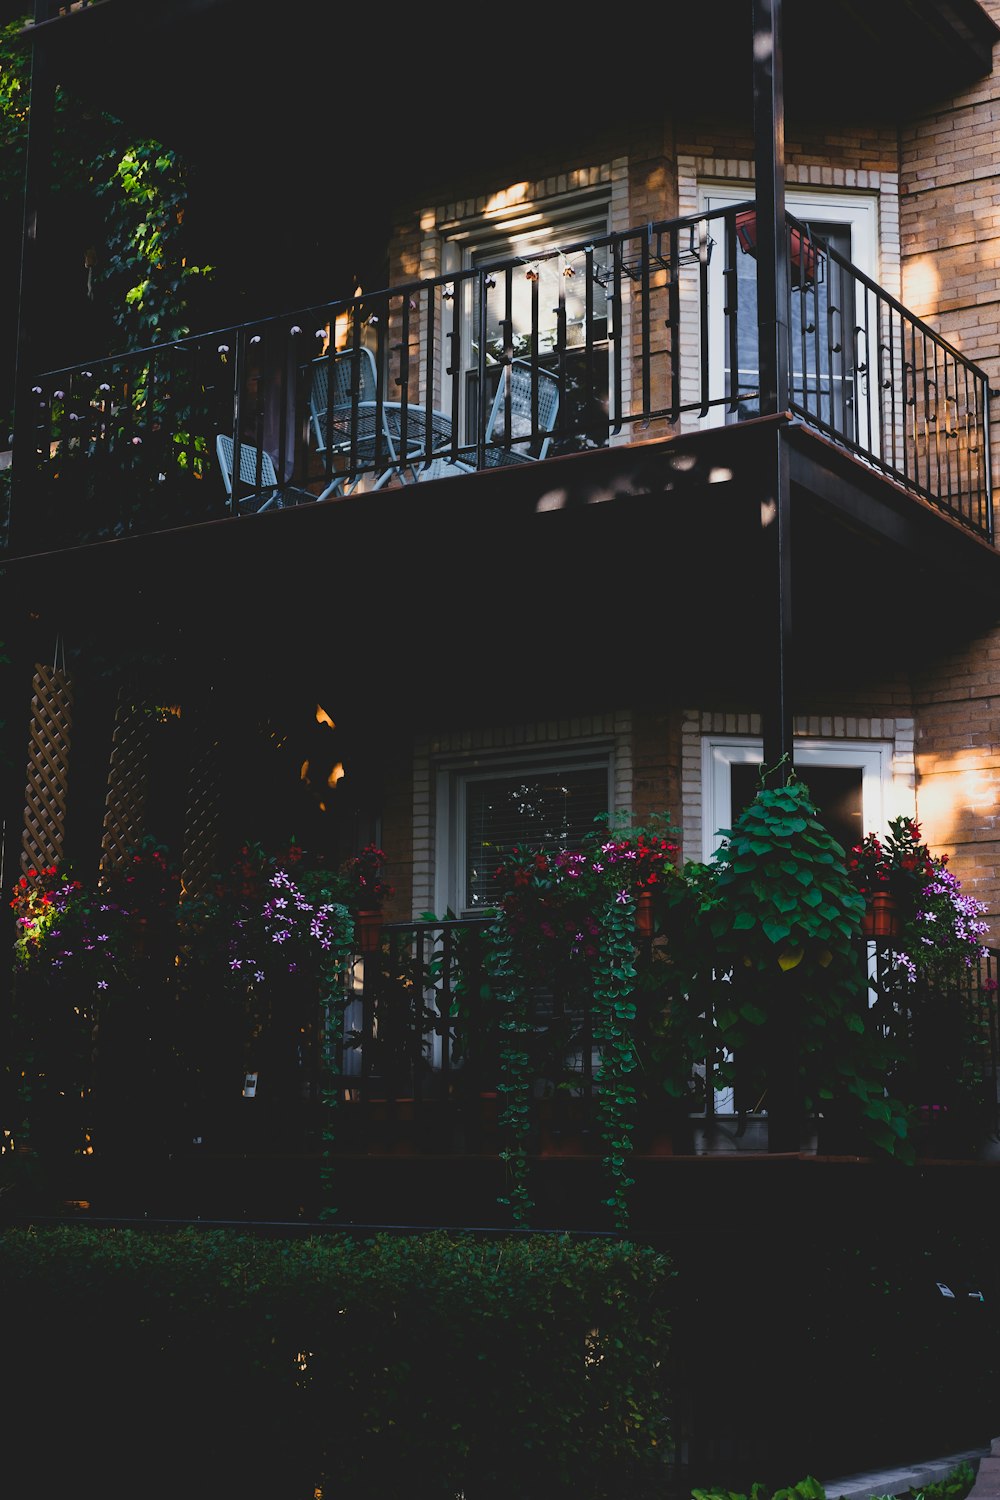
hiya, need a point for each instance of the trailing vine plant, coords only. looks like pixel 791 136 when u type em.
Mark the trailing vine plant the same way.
pixel 614 989
pixel 569 916
pixel 333 973
pixel 514 1084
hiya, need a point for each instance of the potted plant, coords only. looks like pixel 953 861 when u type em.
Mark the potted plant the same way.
pixel 890 873
pixel 912 897
pixel 364 889
pixel 929 977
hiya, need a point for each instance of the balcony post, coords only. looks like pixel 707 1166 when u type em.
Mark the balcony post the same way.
pixel 772 240
pixel 772 331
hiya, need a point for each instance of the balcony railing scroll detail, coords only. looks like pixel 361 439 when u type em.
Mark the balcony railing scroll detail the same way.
pixel 642 333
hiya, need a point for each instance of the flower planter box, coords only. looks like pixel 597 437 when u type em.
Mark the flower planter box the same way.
pixel 805 256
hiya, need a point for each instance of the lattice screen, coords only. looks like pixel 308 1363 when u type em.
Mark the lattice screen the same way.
pixel 128 780
pixel 203 812
pixel 50 735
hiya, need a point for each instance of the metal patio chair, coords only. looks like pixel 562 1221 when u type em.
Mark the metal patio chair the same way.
pixel 516 442
pixel 255 494
pixel 346 421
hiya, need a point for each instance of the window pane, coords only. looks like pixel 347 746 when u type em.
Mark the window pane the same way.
pixel 555 808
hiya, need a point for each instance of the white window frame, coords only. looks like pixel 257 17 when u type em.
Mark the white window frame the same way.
pixel 858 211
pixel 544 222
pixel 452 778
pixel 874 759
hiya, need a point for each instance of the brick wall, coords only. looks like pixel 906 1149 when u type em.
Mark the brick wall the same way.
pixel 950 243
pixel 958 764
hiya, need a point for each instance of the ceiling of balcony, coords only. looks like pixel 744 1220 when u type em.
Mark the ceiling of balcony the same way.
pixel 302 121
pixel 233 78
pixel 295 107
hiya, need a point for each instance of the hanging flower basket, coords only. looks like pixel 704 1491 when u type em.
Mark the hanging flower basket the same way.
pixel 881 918
pixel 804 253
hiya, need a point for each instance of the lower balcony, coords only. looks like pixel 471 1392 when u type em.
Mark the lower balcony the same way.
pixel 421 1094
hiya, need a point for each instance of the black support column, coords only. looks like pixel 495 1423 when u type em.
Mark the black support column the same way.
pixel 783 1103
pixel 772 325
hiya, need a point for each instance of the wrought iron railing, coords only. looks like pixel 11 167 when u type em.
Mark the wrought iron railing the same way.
pixel 646 333
pixel 422 1049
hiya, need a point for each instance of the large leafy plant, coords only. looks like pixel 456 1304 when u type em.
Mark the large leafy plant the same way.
pixel 790 993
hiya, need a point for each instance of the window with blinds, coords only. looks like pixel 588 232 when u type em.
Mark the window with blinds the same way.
pixel 552 806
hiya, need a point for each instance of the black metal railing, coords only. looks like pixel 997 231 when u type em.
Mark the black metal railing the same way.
pixel 421 1049
pixel 640 333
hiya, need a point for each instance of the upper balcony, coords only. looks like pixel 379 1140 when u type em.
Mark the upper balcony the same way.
pixel 638 336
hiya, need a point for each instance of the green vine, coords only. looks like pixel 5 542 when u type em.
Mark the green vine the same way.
pixel 333 1001
pixel 514 1084
pixel 146 190
pixel 614 1011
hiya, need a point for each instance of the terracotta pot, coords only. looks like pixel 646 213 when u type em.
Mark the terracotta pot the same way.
pixel 644 914
pixel 804 254
pixel 368 930
pixel 881 919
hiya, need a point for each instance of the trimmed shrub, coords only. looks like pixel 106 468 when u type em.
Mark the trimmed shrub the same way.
pixel 197 1363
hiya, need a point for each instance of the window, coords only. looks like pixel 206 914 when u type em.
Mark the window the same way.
pixel 485 809
pixel 546 289
pixel 849 781
pixel 823 313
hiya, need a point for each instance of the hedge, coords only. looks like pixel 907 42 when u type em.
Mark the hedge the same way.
pixel 199 1363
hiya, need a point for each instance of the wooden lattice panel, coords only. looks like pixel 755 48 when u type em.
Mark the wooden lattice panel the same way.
pixel 203 816
pixel 128 781
pixel 44 833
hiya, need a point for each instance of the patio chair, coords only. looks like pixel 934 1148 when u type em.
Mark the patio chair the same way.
pixel 269 494
pixel 523 444
pixel 346 423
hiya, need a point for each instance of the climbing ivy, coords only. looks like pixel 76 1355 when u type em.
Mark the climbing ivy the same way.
pixel 145 189
pixel 514 1085
pixel 614 1011
pixel 136 252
